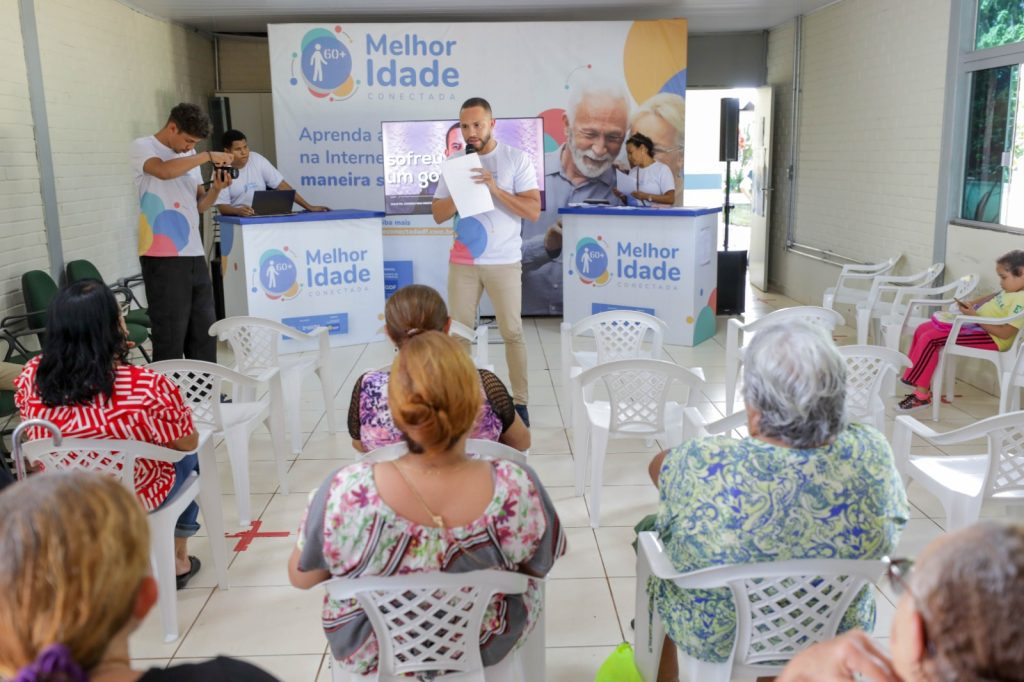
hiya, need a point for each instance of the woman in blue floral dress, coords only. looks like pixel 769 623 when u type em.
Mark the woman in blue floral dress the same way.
pixel 434 509
pixel 413 310
pixel 804 484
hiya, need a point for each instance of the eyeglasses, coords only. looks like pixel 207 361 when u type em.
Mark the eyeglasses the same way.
pixel 609 138
pixel 897 574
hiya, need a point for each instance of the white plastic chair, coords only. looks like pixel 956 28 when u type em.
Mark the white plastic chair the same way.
pixel 618 335
pixel 736 333
pixel 254 342
pixel 638 406
pixel 963 482
pixel 427 622
pixel 1009 399
pixel 867 369
pixel 478 338
pixel 200 383
pixel 117 458
pixel 913 306
pixel 945 370
pixel 879 302
pixel 846 289
pixel 781 609
pixel 484 449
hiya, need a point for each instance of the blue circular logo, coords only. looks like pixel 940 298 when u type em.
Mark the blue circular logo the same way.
pixel 591 261
pixel 326 62
pixel 278 274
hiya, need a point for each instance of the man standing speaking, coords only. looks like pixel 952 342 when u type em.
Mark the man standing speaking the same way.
pixel 487 252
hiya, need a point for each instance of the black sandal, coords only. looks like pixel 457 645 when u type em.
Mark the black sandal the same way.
pixel 193 568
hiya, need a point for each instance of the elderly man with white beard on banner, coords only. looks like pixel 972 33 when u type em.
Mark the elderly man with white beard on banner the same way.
pixel 581 169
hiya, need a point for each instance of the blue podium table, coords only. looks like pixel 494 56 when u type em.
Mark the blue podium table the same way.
pixel 307 270
pixel 660 261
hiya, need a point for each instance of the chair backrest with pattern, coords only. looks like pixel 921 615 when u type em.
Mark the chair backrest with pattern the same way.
pixel 427 622
pixel 1006 462
pixel 115 458
pixel 783 609
pixel 638 391
pixel 200 388
pixel 253 341
pixel 620 334
pixel 866 368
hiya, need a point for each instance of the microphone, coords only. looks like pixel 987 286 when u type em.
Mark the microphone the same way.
pixel 470 149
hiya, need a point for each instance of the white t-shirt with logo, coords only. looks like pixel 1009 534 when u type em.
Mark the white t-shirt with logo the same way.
pixel 494 237
pixel 168 209
pixel 257 175
pixel 655 179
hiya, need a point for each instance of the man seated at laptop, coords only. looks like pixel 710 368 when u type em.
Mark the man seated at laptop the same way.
pixel 255 174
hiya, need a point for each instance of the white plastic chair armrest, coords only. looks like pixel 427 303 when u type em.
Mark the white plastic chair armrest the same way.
pixel 963 434
pixel 650 548
pixel 960 320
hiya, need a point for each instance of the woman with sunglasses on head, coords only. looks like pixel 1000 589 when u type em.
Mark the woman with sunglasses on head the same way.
pixel 74 566
pixel 655 185
pixel 958 617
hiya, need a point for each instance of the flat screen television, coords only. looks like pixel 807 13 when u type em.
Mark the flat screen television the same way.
pixel 415 150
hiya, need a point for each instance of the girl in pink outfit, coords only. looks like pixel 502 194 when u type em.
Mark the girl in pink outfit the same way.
pixel 930 337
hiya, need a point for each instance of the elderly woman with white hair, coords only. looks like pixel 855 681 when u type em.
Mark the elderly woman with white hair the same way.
pixel 805 484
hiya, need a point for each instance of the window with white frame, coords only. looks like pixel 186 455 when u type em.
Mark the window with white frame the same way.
pixel 993 178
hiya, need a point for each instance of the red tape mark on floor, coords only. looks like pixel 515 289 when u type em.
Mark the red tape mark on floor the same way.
pixel 246 537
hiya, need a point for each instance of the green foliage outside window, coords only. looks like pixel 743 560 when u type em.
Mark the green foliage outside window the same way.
pixel 1000 22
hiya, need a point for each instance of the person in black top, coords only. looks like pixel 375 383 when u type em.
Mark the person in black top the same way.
pixel 74 565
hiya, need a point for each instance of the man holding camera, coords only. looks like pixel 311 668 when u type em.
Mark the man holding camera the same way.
pixel 252 173
pixel 174 267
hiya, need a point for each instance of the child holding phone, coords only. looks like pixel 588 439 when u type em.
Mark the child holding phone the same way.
pixel 930 337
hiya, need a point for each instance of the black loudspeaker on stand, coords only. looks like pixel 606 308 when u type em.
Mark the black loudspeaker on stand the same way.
pixel 732 265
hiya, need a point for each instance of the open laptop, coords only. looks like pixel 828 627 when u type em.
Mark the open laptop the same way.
pixel 273 202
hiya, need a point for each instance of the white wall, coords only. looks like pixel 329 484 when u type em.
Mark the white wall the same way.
pixel 22 235
pixel 110 75
pixel 871 105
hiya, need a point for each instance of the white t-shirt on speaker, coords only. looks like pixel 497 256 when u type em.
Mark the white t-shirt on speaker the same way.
pixel 257 175
pixel 494 237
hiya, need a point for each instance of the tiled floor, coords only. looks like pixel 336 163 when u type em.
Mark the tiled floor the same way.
pixel 590 592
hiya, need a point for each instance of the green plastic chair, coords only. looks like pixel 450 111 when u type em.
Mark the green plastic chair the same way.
pixel 83 269
pixel 38 289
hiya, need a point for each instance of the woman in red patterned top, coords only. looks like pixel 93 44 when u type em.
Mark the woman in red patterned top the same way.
pixel 83 383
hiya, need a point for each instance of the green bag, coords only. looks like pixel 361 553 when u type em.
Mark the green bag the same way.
pixel 619 667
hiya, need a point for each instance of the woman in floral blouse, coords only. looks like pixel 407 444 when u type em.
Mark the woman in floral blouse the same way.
pixel 435 509
pixel 804 484
pixel 413 310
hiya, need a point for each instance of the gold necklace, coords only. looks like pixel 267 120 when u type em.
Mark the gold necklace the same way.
pixel 436 518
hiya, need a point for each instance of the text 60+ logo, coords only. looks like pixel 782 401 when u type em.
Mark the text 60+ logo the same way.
pixel 592 261
pixel 277 274
pixel 325 64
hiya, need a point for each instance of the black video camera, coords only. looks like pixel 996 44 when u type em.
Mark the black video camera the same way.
pixel 227 170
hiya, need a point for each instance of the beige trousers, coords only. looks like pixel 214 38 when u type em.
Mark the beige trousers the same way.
pixel 503 284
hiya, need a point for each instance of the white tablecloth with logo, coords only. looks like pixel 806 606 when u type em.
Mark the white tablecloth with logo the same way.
pixel 659 261
pixel 307 270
